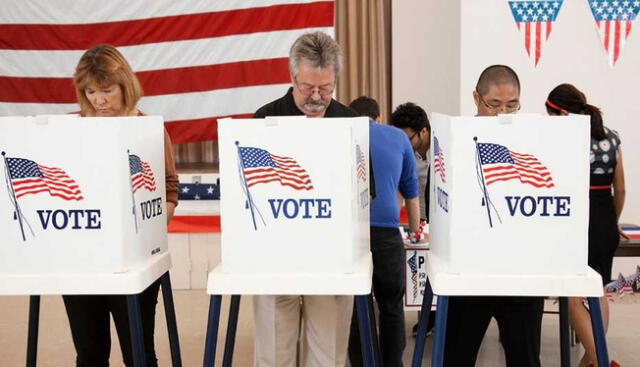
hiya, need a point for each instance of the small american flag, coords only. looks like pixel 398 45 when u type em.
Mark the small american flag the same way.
pixel 534 20
pixel 438 159
pixel 501 164
pixel 28 177
pixel 361 166
pixel 414 273
pixel 614 19
pixel 141 174
pixel 626 289
pixel 260 166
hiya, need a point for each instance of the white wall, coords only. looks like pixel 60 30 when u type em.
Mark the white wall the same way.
pixel 441 46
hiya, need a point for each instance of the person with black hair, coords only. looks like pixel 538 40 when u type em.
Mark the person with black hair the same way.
pixel 604 208
pixel 413 120
pixel 519 318
pixel 366 106
pixel 394 170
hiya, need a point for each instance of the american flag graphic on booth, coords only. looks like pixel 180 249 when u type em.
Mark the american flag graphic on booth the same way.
pixel 614 20
pixel 534 20
pixel 260 166
pixel 438 160
pixel 501 164
pixel 361 166
pixel 141 174
pixel 28 177
pixel 197 61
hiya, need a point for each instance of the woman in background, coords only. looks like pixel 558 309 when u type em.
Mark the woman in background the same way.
pixel 604 207
pixel 107 87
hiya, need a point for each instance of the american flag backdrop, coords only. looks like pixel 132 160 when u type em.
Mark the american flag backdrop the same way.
pixel 614 20
pixel 141 174
pixel 28 177
pixel 260 166
pixel 534 20
pixel 500 164
pixel 197 61
pixel 438 159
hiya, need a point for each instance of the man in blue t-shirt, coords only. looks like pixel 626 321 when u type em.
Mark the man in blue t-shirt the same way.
pixel 394 171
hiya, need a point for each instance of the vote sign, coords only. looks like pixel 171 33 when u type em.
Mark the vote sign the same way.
pixel 510 194
pixel 81 194
pixel 295 194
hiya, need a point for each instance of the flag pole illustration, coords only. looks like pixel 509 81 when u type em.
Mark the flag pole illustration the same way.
pixel 249 203
pixel 17 214
pixel 485 193
pixel 496 163
pixel 141 177
pixel 26 177
pixel 133 197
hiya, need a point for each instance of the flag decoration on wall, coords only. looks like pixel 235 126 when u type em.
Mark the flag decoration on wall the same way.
pixel 613 21
pixel 197 61
pixel 534 20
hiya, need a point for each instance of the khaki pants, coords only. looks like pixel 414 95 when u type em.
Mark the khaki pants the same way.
pixel 325 335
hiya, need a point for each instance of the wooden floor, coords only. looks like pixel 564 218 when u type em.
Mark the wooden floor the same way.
pixel 56 349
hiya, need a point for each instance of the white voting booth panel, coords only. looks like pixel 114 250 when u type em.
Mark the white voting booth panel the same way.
pixel 510 194
pixel 68 206
pixel 295 194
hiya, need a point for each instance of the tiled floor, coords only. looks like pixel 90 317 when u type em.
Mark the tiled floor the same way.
pixel 56 349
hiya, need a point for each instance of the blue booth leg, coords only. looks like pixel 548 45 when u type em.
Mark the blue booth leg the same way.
pixel 437 356
pixel 172 325
pixel 421 337
pixel 32 337
pixel 231 331
pixel 366 333
pixel 135 327
pixel 565 353
pixel 598 331
pixel 212 331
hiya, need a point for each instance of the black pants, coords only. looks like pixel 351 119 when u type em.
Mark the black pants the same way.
pixel 91 332
pixel 519 322
pixel 388 287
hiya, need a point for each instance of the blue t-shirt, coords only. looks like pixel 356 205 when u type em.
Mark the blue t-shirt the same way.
pixel 394 170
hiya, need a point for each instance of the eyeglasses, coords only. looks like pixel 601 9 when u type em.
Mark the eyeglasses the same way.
pixel 413 136
pixel 308 90
pixel 510 107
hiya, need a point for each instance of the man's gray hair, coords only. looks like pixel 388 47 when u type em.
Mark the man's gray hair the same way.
pixel 319 49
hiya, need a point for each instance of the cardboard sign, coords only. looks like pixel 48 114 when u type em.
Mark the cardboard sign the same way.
pixel 295 194
pixel 508 191
pixel 416 277
pixel 81 194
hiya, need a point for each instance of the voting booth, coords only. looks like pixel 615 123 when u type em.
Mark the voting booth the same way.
pixel 294 194
pixel 82 195
pixel 508 192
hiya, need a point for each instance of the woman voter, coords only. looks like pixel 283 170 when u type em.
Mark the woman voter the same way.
pixel 107 87
pixel 606 173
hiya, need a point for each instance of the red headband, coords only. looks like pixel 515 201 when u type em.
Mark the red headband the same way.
pixel 550 104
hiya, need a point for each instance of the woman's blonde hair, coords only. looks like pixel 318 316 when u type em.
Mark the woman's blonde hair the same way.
pixel 104 65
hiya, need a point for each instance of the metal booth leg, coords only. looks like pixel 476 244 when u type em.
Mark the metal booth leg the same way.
pixel 172 326
pixel 437 356
pixel 421 336
pixel 211 341
pixel 231 331
pixel 598 331
pixel 32 337
pixel 565 353
pixel 135 327
pixel 366 332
